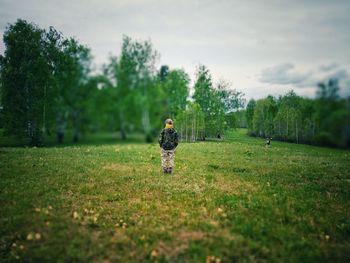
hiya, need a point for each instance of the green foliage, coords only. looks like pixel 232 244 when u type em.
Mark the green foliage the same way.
pixel 236 119
pixel 76 87
pixel 215 103
pixel 25 74
pixel 288 122
pixel 44 81
pixel 136 90
pixel 176 91
pixel 47 87
pixel 190 123
pixel 232 100
pixel 332 114
pixel 203 89
pixel 250 114
pixel 322 121
pixel 264 114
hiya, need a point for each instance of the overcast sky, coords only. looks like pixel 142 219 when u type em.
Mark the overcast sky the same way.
pixel 261 47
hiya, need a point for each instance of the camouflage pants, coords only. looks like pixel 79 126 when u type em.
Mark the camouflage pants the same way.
pixel 167 157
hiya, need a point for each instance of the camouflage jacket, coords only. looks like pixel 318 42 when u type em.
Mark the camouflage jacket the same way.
pixel 168 139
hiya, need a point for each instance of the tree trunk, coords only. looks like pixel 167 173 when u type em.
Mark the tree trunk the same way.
pixel 122 128
pixel 60 128
pixel 75 135
pixel 296 131
pixel 35 136
pixel 194 126
pixel 44 113
pixel 75 126
pixel 146 125
pixel 186 126
pixel 181 133
pixel 287 123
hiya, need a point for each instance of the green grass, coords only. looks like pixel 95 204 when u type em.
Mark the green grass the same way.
pixel 85 139
pixel 234 200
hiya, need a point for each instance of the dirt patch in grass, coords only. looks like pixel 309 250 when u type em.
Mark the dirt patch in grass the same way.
pixel 223 184
pixel 179 244
pixel 129 169
pixel 120 168
pixel 171 250
pixel 185 237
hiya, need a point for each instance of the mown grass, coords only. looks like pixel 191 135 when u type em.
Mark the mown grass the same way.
pixel 229 201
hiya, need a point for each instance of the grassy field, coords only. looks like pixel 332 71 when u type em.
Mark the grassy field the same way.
pixel 229 201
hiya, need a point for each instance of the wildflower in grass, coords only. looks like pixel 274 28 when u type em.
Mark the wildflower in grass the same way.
pixel 209 259
pixel 154 253
pixel 220 210
pixel 214 223
pixel 30 236
pixel 75 215
pixel 37 236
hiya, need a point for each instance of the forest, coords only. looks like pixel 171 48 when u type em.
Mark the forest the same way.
pixel 48 87
pixel 324 120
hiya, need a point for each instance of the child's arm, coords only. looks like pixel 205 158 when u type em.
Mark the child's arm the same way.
pixel 161 138
pixel 176 140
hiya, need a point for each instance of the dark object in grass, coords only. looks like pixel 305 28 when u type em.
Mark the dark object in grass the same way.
pixel 248 153
pixel 214 166
pixel 268 142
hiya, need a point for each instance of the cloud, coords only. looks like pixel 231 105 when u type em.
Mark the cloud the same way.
pixel 340 74
pixel 233 38
pixel 284 74
pixel 343 78
pixel 328 67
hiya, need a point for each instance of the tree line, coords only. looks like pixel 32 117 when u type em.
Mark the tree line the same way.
pixel 324 120
pixel 211 109
pixel 48 87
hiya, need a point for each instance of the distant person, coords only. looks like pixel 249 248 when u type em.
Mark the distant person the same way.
pixel 268 142
pixel 168 141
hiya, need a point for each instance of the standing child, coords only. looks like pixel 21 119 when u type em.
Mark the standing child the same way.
pixel 168 141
